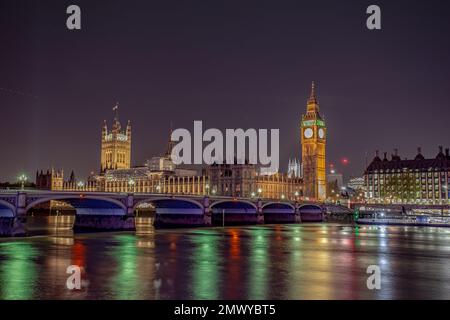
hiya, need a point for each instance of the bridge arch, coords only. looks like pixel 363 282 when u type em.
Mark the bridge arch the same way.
pixel 278 205
pixel 233 204
pixel 234 212
pixel 311 213
pixel 174 212
pixel 278 212
pixel 165 205
pixel 86 204
pixel 7 209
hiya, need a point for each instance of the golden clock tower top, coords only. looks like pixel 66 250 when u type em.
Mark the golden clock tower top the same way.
pixel 312 106
pixel 313 140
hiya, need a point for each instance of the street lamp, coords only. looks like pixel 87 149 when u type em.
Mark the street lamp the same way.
pixel 158 188
pixel 207 189
pixel 23 178
pixel 259 192
pixel 80 185
pixel 131 184
pixel 282 196
pixel 253 194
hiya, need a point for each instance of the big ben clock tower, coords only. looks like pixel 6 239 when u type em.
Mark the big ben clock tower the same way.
pixel 313 132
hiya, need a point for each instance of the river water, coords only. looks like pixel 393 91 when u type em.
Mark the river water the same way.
pixel 307 261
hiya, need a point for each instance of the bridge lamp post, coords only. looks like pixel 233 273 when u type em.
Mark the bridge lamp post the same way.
pixel 23 178
pixel 158 188
pixel 282 197
pixel 207 189
pixel 214 191
pixel 131 184
pixel 253 195
pixel 80 185
pixel 443 200
pixel 259 192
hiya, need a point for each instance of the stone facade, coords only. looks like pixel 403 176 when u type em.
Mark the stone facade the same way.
pixel 116 146
pixel 420 180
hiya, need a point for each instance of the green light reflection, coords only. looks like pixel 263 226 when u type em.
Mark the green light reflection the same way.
pixel 258 264
pixel 125 283
pixel 206 265
pixel 17 270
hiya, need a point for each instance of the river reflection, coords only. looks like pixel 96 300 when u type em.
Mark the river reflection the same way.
pixel 318 261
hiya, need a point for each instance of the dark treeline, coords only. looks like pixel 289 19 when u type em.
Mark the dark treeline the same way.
pixel 17 185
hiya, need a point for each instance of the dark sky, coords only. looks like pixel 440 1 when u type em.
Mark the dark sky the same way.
pixel 229 63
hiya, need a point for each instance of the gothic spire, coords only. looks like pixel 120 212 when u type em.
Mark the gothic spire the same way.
pixel 312 96
pixel 116 112
pixel 116 122
pixel 170 143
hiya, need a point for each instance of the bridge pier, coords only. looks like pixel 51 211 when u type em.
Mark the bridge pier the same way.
pixel 86 222
pixel 12 226
pixel 324 214
pixel 130 205
pixel 20 218
pixel 298 217
pixel 207 212
pixel 15 225
pixel 259 212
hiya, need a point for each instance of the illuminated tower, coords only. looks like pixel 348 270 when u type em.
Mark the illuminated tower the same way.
pixel 116 145
pixel 313 139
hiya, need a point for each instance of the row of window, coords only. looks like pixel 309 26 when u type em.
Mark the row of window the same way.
pixel 121 157
pixel 406 170
pixel 412 195
pixel 403 182
pixel 410 174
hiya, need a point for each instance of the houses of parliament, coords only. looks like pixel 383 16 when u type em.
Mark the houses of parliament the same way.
pixel 160 175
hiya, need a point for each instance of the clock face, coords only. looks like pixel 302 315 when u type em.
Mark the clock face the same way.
pixel 308 133
pixel 321 133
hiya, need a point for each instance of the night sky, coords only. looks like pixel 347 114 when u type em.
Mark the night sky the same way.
pixel 232 64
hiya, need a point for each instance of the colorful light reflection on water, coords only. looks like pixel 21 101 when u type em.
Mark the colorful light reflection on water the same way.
pixel 317 261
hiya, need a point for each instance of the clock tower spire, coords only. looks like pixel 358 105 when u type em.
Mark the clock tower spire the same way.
pixel 313 140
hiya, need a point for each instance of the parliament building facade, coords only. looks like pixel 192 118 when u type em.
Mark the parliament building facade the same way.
pixel 161 175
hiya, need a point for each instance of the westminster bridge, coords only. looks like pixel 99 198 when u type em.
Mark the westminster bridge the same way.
pixel 118 211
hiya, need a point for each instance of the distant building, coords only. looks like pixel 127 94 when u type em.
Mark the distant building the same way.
pixel 233 180
pixel 158 175
pixel 116 145
pixel 243 180
pixel 335 182
pixel 357 183
pixel 50 180
pixel 294 168
pixel 163 162
pixel 418 180
pixel 334 177
pixel 279 187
